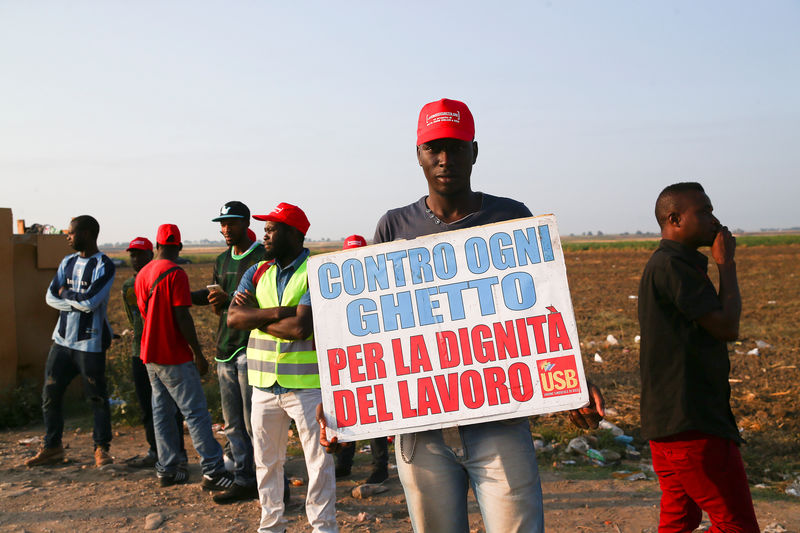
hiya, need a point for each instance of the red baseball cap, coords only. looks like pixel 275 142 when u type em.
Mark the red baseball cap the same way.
pixel 354 241
pixel 251 235
pixel 445 119
pixel 140 243
pixel 168 234
pixel 289 214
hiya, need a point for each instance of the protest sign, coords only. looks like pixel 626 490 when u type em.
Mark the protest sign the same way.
pixel 448 329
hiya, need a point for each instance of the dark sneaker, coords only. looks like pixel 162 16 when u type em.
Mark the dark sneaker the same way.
pixel 47 456
pixel 102 457
pixel 342 471
pixel 287 491
pixel 379 475
pixel 237 493
pixel 147 461
pixel 219 481
pixel 178 478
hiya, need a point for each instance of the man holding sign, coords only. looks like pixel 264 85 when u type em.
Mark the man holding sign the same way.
pixel 497 458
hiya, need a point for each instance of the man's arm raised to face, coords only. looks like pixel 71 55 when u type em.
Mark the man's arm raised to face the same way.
pixel 723 324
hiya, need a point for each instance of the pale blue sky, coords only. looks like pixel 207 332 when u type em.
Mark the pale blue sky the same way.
pixel 147 112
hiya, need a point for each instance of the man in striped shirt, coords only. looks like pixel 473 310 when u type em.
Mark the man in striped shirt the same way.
pixel 80 291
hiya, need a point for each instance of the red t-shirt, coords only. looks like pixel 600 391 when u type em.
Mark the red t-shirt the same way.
pixel 162 341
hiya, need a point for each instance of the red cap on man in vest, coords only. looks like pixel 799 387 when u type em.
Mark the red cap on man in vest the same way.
pixel 288 214
pixel 445 119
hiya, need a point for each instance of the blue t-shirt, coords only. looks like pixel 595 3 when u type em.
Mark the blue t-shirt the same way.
pixel 283 277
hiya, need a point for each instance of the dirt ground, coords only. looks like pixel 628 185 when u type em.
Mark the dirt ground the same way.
pixel 76 496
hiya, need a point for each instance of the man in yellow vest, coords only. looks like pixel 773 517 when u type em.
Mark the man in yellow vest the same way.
pixel 273 302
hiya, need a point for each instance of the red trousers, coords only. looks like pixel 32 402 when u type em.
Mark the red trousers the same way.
pixel 700 472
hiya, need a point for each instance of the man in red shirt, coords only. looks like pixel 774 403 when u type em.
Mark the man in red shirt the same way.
pixel 174 360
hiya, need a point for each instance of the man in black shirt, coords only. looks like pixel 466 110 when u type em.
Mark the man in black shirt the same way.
pixel 685 404
pixel 235 392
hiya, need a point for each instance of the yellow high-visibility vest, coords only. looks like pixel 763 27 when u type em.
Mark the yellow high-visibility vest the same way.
pixel 290 363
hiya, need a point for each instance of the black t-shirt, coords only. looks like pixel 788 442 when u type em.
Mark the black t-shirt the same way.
pixel 228 271
pixel 684 369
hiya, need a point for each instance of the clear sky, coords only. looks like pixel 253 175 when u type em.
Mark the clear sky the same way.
pixel 141 113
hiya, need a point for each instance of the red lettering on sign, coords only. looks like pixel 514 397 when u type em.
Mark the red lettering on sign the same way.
pixel 482 348
pixel 364 404
pixel 559 338
pixel 466 351
pixel 427 401
pixel 505 339
pixel 448 391
pixel 406 411
pixel 344 405
pixel 399 365
pixel 380 404
pixel 373 360
pixel 522 333
pixel 496 390
pixel 419 355
pixel 472 389
pixel 520 382
pixel 538 333
pixel 448 349
pixel 336 362
pixel 354 362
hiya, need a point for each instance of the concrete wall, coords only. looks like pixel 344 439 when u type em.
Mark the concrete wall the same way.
pixel 27 265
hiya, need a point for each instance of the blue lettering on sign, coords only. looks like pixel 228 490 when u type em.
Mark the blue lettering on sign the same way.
pixel 377 275
pixel 353 277
pixel 485 296
pixel 454 300
pixel 519 292
pixel 419 261
pixel 502 253
pixel 329 289
pixel 397 264
pixel 362 318
pixel 391 309
pixel 425 306
pixel 527 247
pixel 444 260
pixel 547 246
pixel 477 255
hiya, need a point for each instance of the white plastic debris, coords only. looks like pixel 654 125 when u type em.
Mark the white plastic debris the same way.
pixel 597 358
pixel 632 297
pixel 578 445
pixel 612 340
pixel 615 430
pixel 763 345
pixel 637 339
pixel 754 351
pixel 772 302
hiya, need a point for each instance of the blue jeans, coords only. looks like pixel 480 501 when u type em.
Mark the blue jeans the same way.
pixel 181 383
pixel 144 393
pixel 236 396
pixel 63 364
pixel 498 462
